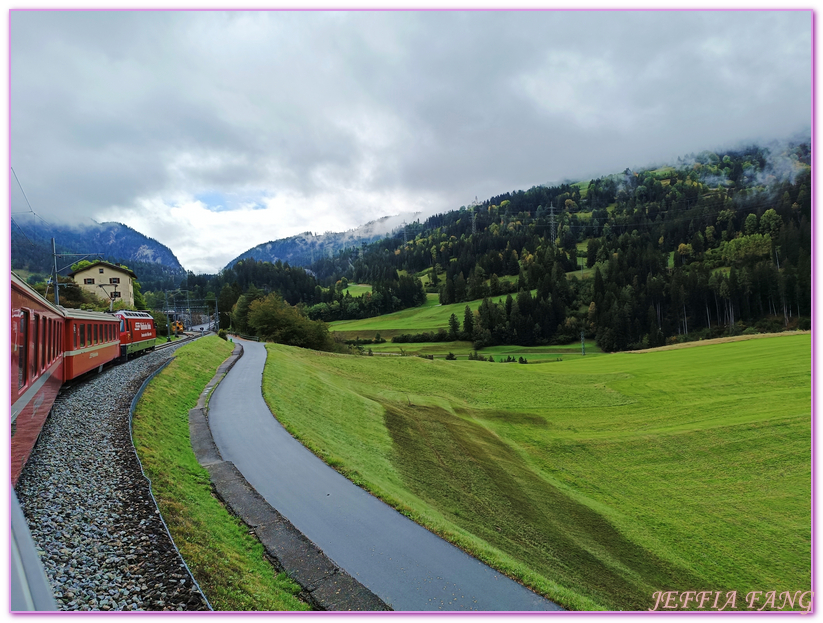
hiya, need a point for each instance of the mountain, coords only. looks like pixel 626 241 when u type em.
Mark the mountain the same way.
pixel 154 263
pixel 304 249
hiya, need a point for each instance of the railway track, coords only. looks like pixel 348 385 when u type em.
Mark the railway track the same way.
pixel 189 337
pixel 88 506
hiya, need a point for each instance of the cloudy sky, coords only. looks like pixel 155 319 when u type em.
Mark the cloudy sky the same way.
pixel 215 131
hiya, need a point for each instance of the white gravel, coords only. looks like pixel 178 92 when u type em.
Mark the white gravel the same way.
pixel 93 521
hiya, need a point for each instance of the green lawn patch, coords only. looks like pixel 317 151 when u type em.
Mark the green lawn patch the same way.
pixel 583 187
pixel 430 316
pixel 358 289
pixel 163 340
pixel 594 480
pixel 226 560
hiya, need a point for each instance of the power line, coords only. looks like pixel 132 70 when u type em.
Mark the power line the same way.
pixel 22 232
pixel 21 189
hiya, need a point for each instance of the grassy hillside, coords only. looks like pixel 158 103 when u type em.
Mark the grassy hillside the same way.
pixel 595 481
pixel 428 317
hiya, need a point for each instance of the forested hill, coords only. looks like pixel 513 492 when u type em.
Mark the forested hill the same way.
pixel 720 242
pixel 154 263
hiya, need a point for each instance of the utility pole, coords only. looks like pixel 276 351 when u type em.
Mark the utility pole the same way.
pixel 216 316
pixel 56 287
pixel 168 323
pixel 552 223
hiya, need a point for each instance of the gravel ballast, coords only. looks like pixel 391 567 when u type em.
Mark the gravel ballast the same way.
pixel 95 525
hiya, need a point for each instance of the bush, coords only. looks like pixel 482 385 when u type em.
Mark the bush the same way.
pixel 451 357
pixel 222 334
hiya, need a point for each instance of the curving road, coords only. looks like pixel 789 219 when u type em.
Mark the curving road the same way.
pixel 404 564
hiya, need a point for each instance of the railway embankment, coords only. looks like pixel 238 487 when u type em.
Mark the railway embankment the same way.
pixel 97 530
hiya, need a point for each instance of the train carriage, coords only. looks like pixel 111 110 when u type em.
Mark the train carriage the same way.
pixel 92 339
pixel 37 329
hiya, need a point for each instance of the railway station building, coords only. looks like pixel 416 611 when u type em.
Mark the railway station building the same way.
pixel 103 279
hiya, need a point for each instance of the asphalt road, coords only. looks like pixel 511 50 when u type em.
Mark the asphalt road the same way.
pixel 404 564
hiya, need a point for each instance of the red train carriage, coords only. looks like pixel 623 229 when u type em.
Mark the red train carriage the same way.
pixel 37 329
pixel 92 339
pixel 138 332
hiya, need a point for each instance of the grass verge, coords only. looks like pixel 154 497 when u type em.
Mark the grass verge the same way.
pixel 227 561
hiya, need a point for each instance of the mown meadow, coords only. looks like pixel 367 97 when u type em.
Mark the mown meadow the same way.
pixel 595 481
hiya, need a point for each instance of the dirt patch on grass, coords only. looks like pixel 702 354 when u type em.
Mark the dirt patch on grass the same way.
pixel 719 340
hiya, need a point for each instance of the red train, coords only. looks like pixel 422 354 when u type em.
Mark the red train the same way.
pixel 51 345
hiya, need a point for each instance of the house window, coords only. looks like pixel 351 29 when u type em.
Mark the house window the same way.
pixel 114 279
pixel 88 282
pixel 101 270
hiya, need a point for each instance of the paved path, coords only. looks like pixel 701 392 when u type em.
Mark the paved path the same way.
pixel 405 565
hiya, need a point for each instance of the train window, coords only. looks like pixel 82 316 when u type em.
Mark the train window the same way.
pixel 82 335
pixel 43 346
pixel 22 358
pixel 48 340
pixel 96 341
pixel 122 325
pixel 35 349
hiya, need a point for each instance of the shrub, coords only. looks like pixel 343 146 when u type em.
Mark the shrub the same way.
pixel 222 334
pixel 451 357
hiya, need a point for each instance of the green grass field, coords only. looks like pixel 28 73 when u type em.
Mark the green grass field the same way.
pixel 462 349
pixel 583 187
pixel 428 317
pixel 358 289
pixel 228 562
pixel 595 481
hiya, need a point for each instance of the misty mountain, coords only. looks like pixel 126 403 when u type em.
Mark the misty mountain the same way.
pixel 155 264
pixel 304 249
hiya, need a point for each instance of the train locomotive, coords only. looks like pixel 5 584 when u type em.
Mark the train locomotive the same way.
pixel 138 332
pixel 51 345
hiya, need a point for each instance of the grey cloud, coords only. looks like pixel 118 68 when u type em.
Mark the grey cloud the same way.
pixel 111 107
